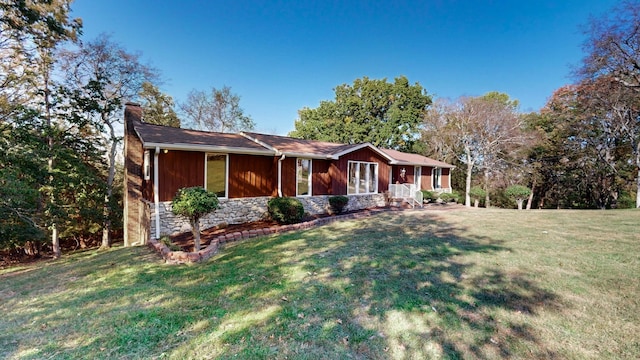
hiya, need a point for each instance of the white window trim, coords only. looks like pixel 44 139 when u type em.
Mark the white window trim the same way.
pixel 366 185
pixel 310 185
pixel 146 165
pixel 226 173
pixel 433 178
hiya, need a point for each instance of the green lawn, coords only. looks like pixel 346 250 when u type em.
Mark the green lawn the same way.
pixel 471 284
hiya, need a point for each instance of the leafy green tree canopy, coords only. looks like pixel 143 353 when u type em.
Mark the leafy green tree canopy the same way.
pixel 158 107
pixel 518 193
pixel 385 114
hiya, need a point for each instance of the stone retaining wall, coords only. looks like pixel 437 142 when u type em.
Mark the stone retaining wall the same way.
pixel 243 210
pixel 182 257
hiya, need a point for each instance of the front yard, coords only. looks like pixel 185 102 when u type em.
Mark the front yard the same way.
pixel 416 284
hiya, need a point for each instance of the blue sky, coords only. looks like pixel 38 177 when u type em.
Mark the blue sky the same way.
pixel 281 56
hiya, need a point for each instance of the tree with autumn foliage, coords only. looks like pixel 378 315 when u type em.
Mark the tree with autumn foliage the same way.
pixel 479 131
pixel 613 56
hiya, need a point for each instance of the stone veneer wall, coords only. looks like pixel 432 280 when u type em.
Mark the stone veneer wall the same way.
pixel 238 211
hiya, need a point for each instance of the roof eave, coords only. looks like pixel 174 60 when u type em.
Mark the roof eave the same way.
pixel 208 148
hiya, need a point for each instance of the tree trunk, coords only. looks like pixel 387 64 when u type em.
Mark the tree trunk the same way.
pixel 520 201
pixel 467 197
pixel 638 189
pixel 476 202
pixel 55 241
pixel 533 187
pixel 195 228
pixel 106 225
pixel 487 196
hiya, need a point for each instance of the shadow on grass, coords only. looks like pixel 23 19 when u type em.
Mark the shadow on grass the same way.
pixel 393 285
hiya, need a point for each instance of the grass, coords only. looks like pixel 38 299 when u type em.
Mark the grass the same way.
pixel 462 284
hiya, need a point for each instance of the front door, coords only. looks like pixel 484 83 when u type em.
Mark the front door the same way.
pixel 417 177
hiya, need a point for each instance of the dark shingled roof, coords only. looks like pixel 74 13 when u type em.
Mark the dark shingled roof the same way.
pixel 170 137
pixel 289 145
pixel 254 143
pixel 414 159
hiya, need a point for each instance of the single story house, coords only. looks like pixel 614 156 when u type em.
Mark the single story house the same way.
pixel 246 169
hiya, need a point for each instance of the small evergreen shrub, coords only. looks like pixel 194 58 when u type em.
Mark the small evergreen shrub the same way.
pixel 285 210
pixel 518 193
pixel 194 203
pixel 429 195
pixel 166 240
pixel 476 194
pixel 337 203
pixel 449 197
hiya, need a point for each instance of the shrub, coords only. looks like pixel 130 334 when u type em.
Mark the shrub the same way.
pixel 165 239
pixel 285 210
pixel 194 203
pixel 518 193
pixel 337 203
pixel 449 197
pixel 477 193
pixel 429 195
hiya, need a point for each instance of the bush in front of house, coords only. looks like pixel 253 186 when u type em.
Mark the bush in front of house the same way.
pixel 285 210
pixel 194 203
pixel 337 203
pixel 430 196
pixel 449 197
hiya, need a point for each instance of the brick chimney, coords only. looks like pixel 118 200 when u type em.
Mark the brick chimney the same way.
pixel 136 213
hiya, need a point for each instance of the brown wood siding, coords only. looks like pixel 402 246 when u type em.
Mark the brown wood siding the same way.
pixel 251 175
pixel 445 177
pixel 339 168
pixel 321 178
pixel 178 169
pixel 147 185
pixel 426 178
pixel 134 230
pixel 288 177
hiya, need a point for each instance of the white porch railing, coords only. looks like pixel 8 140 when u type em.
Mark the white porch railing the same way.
pixel 406 192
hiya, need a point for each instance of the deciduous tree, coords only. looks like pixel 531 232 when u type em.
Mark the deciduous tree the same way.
pixel 479 131
pixel 218 110
pixel 103 76
pixel 385 114
pixel 613 45
pixel 158 107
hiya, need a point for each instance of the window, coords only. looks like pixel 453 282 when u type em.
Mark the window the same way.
pixel 303 176
pixel 216 174
pixel 362 178
pixel 436 175
pixel 147 165
pixel 417 177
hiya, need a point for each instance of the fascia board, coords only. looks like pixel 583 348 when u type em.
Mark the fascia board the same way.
pixel 308 155
pixel 209 148
pixel 391 160
pixel 261 143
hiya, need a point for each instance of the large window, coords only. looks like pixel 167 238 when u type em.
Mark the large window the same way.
pixel 303 176
pixel 362 178
pixel 436 175
pixel 216 174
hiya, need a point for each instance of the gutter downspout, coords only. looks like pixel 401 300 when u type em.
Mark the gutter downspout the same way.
pixel 280 175
pixel 156 190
